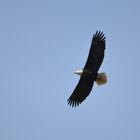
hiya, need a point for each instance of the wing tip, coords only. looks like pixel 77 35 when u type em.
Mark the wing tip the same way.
pixel 99 35
pixel 73 103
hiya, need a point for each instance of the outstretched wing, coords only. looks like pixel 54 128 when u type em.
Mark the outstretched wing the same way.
pixel 81 91
pixel 96 53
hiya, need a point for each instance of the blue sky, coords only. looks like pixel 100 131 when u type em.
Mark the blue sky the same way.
pixel 42 43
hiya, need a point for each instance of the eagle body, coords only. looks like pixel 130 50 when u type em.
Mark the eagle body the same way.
pixel 89 74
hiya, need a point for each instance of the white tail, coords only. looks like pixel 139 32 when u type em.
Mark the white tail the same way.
pixel 101 79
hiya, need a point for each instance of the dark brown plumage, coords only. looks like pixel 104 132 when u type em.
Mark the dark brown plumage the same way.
pixel 90 70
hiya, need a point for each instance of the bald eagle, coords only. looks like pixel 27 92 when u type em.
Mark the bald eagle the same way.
pixel 89 73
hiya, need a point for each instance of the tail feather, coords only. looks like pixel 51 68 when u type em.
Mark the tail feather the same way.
pixel 101 79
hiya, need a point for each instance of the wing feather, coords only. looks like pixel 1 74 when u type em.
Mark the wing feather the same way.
pixel 81 91
pixel 96 53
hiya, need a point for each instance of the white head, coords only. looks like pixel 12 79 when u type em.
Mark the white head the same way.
pixel 79 72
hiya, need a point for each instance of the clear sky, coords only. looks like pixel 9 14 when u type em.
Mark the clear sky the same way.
pixel 41 43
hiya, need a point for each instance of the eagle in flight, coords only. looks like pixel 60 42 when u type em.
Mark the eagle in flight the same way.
pixel 89 73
